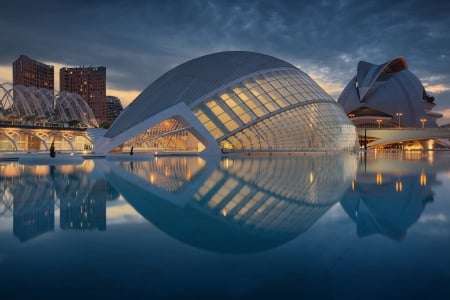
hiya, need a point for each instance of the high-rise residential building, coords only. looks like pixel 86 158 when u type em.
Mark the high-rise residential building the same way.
pixel 90 84
pixel 113 108
pixel 30 72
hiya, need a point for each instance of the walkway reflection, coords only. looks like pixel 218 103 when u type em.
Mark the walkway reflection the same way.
pixel 390 193
pixel 234 204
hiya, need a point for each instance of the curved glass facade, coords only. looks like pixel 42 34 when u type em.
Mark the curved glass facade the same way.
pixel 233 101
pixel 169 135
pixel 283 110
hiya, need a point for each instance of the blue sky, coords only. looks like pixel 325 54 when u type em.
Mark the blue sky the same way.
pixel 138 41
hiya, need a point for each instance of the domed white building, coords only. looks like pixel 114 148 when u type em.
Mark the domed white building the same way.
pixel 231 101
pixel 388 95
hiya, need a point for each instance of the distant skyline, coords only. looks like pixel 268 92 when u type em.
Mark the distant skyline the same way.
pixel 138 41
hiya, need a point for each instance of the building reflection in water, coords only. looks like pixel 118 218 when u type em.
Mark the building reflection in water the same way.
pixel 33 192
pixel 34 207
pixel 234 204
pixel 225 204
pixel 390 193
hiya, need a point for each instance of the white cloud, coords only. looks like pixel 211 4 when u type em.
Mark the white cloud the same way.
pixel 346 58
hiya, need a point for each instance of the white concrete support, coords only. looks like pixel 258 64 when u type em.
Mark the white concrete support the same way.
pixel 181 112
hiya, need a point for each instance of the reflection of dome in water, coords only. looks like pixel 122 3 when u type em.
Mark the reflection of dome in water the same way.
pixel 387 204
pixel 241 204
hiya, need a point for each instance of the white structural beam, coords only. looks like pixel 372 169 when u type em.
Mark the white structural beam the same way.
pixel 181 112
pixel 389 136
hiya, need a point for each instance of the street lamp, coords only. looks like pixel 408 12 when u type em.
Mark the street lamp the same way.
pixel 423 120
pixel 379 123
pixel 399 115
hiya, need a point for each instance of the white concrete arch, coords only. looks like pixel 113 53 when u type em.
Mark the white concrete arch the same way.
pixel 31 133
pixel 45 100
pixel 13 141
pixel 20 101
pixel 62 136
pixel 179 111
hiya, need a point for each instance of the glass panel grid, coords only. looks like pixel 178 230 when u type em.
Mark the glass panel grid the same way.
pixel 313 125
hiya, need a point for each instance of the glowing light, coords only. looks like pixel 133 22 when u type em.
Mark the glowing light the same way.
pixel 224 212
pixel 399 115
pixel 40 170
pixel 87 166
pixel 430 144
pixel 398 186
pixel 379 178
pixel 423 178
pixel 10 170
pixel 423 120
pixel 67 169
pixel 227 163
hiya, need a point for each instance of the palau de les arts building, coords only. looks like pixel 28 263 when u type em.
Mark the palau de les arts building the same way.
pixel 390 104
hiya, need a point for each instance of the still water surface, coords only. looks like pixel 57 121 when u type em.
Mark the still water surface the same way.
pixel 372 226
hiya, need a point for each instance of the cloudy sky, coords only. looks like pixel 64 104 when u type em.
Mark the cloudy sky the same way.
pixel 137 41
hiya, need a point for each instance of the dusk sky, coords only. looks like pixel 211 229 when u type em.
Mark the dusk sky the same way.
pixel 138 41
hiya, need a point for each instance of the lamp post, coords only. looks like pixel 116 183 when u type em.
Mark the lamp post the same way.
pixel 399 115
pixel 379 123
pixel 423 120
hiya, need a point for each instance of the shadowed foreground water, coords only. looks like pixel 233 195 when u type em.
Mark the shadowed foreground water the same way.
pixel 257 227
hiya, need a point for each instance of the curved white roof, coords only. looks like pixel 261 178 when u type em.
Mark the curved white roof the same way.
pixel 192 80
pixel 367 73
pixel 389 88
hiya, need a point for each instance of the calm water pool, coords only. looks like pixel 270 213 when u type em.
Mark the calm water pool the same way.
pixel 257 227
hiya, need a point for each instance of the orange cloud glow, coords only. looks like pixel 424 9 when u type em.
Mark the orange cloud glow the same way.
pixel 437 88
pixel 446 118
pixel 6 74
pixel 125 96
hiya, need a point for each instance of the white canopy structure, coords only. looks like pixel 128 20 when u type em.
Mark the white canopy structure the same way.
pixel 20 103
